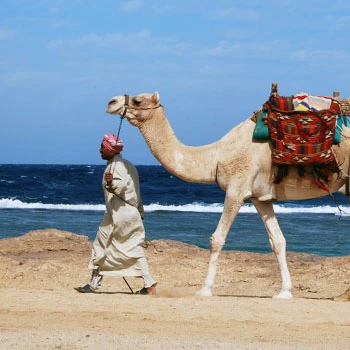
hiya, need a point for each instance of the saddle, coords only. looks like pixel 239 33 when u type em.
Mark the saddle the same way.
pixel 301 130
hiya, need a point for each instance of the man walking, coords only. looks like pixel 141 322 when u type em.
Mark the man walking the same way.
pixel 117 249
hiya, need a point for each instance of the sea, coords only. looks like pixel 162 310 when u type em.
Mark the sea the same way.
pixel 70 198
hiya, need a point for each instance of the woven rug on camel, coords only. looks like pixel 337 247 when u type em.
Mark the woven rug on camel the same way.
pixel 345 106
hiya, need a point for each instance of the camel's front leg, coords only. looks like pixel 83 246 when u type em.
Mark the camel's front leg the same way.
pixel 278 244
pixel 217 241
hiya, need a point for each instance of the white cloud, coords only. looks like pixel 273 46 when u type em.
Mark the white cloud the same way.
pixel 56 44
pixel 320 56
pixel 160 10
pixel 306 52
pixel 222 49
pixel 132 5
pixel 95 40
pixel 63 24
pixel 24 78
pixel 239 34
pixel 246 49
pixel 137 5
pixel 142 42
pixel 238 13
pixel 6 33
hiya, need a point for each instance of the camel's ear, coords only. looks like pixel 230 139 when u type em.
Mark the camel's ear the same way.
pixel 155 97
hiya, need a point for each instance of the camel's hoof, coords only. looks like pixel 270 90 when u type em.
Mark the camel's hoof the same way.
pixel 204 292
pixel 285 295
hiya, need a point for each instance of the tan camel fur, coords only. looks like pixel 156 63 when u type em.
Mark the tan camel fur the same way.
pixel 241 167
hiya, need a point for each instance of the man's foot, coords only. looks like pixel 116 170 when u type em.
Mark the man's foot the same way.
pixel 85 289
pixel 147 291
pixel 96 279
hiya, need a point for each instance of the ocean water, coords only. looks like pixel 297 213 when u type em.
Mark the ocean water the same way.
pixel 70 197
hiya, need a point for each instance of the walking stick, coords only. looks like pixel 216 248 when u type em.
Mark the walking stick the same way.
pixel 132 292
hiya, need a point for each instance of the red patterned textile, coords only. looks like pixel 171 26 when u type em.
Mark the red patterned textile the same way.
pixel 301 137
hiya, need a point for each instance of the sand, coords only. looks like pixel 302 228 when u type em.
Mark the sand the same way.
pixel 39 309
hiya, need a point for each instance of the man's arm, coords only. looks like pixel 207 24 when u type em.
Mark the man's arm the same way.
pixel 116 181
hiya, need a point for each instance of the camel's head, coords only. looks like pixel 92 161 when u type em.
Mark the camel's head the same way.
pixel 134 108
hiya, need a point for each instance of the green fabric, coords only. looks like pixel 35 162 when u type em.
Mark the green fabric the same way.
pixel 261 130
pixel 338 129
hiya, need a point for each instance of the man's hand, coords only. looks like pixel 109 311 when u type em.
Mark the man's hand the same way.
pixel 109 178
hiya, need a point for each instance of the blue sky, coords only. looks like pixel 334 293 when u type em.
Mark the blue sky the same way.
pixel 212 62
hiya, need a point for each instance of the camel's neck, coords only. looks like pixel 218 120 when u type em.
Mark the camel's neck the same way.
pixel 192 164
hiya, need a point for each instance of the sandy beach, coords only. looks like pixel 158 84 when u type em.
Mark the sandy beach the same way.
pixel 39 309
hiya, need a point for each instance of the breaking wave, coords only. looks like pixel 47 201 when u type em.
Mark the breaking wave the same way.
pixel 7 203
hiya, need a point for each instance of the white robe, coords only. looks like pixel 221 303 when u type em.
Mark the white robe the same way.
pixel 117 249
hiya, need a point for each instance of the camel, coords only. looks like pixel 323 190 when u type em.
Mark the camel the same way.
pixel 241 167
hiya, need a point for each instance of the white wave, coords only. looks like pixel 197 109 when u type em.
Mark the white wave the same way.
pixel 322 209
pixel 7 203
pixel 194 207
pixel 17 204
pixel 247 208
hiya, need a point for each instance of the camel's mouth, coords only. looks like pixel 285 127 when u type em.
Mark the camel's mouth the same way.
pixel 111 112
pixel 112 109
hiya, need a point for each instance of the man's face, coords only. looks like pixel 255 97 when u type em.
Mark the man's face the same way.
pixel 106 153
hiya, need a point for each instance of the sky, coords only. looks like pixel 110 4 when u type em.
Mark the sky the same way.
pixel 212 62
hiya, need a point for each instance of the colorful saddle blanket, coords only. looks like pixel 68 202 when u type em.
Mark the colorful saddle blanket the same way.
pixel 301 128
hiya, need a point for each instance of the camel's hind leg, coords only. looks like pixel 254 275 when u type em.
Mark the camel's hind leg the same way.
pixel 217 241
pixel 278 244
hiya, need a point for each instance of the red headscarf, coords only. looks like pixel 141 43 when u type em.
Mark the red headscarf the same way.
pixel 112 142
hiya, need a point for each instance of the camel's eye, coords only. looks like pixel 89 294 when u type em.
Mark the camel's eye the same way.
pixel 136 101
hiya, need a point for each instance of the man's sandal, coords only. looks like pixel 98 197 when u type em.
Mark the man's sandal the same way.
pixel 85 289
pixel 145 291
pixel 142 291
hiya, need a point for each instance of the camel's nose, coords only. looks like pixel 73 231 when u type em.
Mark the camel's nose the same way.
pixel 112 102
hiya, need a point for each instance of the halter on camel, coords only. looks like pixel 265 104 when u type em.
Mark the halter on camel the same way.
pixel 127 106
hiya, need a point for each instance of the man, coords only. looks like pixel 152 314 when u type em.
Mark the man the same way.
pixel 117 249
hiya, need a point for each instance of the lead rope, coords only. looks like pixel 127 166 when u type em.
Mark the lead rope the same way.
pixel 120 125
pixel 126 103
